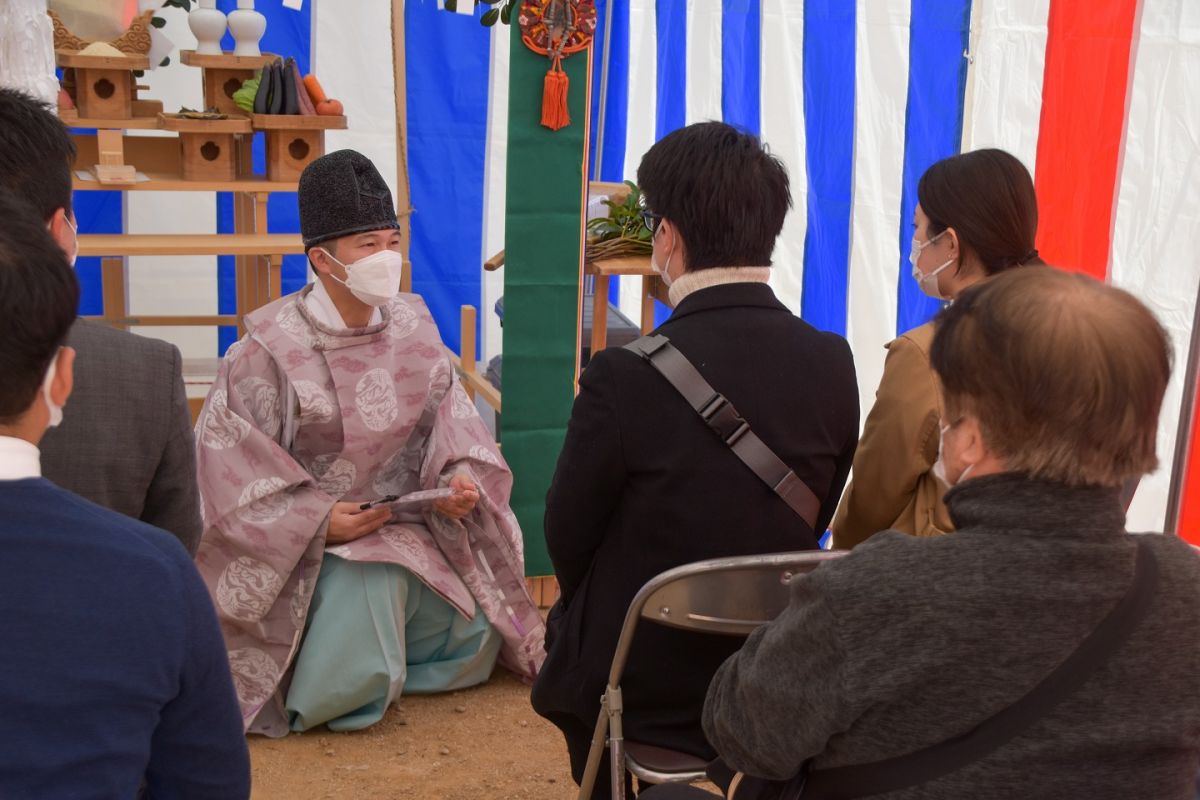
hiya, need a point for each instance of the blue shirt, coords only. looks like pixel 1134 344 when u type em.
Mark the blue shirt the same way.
pixel 112 666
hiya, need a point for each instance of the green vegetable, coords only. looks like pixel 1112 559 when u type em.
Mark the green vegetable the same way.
pixel 244 97
pixel 624 221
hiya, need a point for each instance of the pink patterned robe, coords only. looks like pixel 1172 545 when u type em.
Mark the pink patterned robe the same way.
pixel 301 416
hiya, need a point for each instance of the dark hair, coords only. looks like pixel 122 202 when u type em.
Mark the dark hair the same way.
pixel 38 300
pixel 721 189
pixel 1064 374
pixel 987 196
pixel 36 153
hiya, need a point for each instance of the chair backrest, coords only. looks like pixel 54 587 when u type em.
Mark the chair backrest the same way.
pixel 721 595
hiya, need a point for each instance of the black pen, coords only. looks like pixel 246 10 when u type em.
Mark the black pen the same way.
pixel 391 498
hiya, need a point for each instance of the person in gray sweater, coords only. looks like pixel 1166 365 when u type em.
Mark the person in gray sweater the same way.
pixel 1053 385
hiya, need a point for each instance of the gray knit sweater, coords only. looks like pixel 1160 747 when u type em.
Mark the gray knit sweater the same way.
pixel 907 642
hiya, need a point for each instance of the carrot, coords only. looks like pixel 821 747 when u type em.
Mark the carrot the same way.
pixel 314 89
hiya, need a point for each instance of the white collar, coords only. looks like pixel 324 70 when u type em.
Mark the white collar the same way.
pixel 693 281
pixel 320 305
pixel 19 459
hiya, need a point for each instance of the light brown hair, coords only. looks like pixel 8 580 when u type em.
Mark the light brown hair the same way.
pixel 1065 375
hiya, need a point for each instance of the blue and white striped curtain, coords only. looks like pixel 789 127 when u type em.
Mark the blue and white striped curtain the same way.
pixel 857 97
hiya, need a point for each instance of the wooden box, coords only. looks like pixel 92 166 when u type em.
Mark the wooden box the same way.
pixel 294 141
pixel 104 85
pixel 223 75
pixel 209 147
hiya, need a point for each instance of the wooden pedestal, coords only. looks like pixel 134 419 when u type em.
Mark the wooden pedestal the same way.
pixel 223 75
pixel 293 142
pixel 209 146
pixel 289 152
pixel 104 93
pixel 208 156
pixel 104 85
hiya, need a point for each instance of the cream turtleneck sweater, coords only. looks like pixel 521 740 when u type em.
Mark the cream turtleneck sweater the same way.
pixel 690 282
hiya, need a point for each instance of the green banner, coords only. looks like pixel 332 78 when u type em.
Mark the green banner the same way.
pixel 542 241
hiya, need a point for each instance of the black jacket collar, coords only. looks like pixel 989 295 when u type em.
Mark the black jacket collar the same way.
pixel 728 295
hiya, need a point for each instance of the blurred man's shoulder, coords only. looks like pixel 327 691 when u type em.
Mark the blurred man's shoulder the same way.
pixel 91 335
pixel 102 350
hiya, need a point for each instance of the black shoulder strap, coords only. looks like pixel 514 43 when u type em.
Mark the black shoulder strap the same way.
pixel 901 772
pixel 724 420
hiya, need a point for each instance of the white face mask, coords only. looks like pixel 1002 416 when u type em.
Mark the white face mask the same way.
pixel 662 271
pixel 75 231
pixel 928 283
pixel 375 279
pixel 939 466
pixel 56 412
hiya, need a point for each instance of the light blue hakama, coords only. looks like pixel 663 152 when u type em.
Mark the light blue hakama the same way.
pixel 375 631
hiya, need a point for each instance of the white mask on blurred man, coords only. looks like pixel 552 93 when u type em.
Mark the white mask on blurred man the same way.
pixel 663 272
pixel 939 466
pixel 56 411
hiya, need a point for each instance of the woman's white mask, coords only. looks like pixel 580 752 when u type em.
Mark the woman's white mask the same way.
pixel 927 282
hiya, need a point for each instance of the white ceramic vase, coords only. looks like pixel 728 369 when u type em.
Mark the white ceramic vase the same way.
pixel 208 26
pixel 247 27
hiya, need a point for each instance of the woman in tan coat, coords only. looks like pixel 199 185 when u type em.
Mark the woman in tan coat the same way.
pixel 976 216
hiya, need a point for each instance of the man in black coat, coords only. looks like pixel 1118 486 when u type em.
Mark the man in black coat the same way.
pixel 643 485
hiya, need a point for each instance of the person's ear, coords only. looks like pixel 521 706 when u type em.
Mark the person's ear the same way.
pixel 955 250
pixel 971 446
pixel 60 228
pixel 319 258
pixel 64 376
pixel 665 232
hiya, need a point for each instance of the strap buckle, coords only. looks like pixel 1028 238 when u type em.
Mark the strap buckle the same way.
pixel 723 419
pixel 648 346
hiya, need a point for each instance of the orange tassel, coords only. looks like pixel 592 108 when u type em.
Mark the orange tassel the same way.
pixel 555 112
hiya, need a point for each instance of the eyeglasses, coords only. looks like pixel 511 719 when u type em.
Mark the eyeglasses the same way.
pixel 650 220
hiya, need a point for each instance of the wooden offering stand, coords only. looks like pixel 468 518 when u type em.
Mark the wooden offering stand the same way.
pixel 209 146
pixel 105 87
pixel 223 75
pixel 294 141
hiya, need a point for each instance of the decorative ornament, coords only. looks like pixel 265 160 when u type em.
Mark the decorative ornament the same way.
pixel 133 42
pixel 556 29
pixel 27 49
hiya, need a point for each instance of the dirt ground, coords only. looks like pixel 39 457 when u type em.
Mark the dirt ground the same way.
pixel 484 742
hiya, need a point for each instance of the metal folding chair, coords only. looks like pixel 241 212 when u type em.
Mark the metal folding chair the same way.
pixel 723 595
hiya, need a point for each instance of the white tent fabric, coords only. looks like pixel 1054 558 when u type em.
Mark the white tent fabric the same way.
pixel 1156 230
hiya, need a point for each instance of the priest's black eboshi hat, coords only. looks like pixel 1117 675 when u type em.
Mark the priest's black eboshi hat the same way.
pixel 342 193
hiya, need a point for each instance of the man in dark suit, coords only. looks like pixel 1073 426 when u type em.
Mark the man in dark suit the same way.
pixel 642 484
pixel 125 441
pixel 114 671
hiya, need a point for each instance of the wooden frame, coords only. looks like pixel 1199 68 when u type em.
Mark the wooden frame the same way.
pixel 223 75
pixel 104 85
pixel 208 147
pixel 601 271
pixel 259 255
pixel 467 366
pixel 293 142
pixel 403 189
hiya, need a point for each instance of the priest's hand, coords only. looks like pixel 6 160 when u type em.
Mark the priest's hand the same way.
pixel 462 502
pixel 347 522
